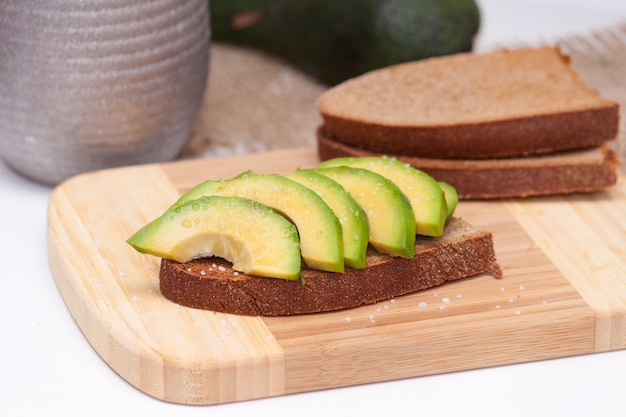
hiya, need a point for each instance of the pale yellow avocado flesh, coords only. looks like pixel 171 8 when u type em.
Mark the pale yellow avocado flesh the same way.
pixel 424 193
pixel 321 239
pixel 257 240
pixel 389 213
pixel 353 219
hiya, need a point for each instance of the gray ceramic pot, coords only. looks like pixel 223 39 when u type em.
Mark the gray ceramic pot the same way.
pixel 92 84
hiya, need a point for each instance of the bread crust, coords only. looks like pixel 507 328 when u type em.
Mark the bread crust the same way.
pixel 516 137
pixel 211 284
pixel 559 173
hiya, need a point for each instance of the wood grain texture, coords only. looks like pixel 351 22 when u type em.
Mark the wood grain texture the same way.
pixel 563 293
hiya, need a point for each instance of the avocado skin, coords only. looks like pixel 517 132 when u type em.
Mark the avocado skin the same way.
pixel 333 40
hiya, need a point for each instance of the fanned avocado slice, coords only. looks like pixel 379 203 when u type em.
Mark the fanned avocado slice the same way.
pixel 353 219
pixel 321 239
pixel 423 191
pixel 452 198
pixel 389 213
pixel 257 240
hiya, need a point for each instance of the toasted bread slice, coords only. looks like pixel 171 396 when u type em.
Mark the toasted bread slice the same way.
pixel 471 106
pixel 558 173
pixel 211 284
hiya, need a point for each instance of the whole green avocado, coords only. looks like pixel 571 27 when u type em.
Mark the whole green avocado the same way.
pixel 333 40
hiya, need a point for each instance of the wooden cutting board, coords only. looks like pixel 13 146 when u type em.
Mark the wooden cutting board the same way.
pixel 563 293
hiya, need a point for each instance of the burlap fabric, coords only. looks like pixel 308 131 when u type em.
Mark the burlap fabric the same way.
pixel 255 102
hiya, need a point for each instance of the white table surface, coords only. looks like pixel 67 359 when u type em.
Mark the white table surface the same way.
pixel 48 368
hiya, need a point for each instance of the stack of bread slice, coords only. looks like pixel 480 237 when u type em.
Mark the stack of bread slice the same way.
pixel 508 123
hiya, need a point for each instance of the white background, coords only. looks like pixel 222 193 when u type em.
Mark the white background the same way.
pixel 48 368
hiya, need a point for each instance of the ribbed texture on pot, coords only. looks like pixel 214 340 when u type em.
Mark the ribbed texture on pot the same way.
pixel 91 84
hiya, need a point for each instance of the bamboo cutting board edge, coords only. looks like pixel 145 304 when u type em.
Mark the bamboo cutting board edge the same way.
pixel 267 364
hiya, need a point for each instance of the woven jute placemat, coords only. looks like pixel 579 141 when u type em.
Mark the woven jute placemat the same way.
pixel 255 102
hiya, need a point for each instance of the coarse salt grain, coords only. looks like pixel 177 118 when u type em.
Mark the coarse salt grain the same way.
pixel 348 319
pixel 223 322
pixel 189 269
pixel 221 268
pixel 521 288
pixel 422 304
pixel 134 298
pixel 502 289
pixel 202 272
pixel 518 312
pixel 442 307
pixel 459 296
pixel 236 273
pixel 445 300
pixel 392 301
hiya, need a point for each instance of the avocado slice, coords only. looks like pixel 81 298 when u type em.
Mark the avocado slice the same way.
pixel 257 240
pixel 352 218
pixel 451 197
pixel 321 239
pixel 424 193
pixel 389 213
pixel 333 40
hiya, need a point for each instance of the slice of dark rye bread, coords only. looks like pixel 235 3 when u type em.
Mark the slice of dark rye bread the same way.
pixel 471 106
pixel 564 172
pixel 211 283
